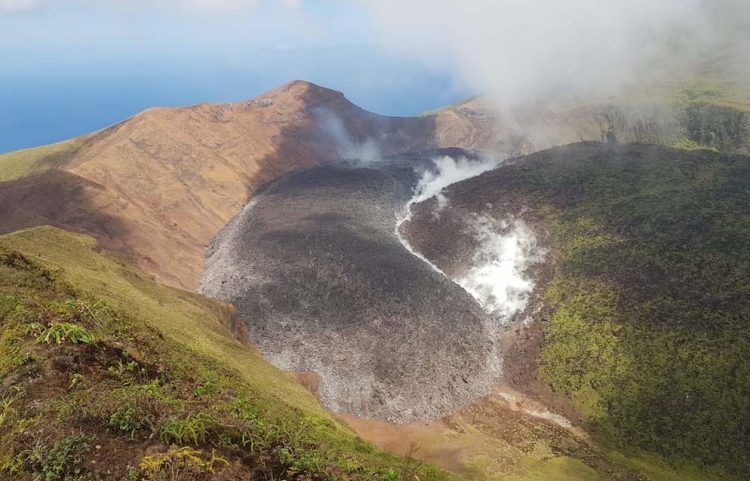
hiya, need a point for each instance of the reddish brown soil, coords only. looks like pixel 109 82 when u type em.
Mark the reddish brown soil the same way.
pixel 160 185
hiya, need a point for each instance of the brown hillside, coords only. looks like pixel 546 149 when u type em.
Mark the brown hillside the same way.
pixel 158 186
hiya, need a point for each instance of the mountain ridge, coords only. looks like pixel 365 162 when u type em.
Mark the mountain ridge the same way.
pixel 173 176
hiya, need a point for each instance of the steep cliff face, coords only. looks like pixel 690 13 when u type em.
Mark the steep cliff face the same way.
pixel 695 122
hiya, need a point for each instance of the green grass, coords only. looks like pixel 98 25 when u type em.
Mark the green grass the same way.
pixel 180 463
pixel 650 330
pixel 59 332
pixel 561 468
pixel 14 165
pixel 134 363
pixel 63 460
pixel 715 92
pixel 657 469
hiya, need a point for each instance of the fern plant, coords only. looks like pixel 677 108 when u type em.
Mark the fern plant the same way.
pixel 59 332
pixel 193 428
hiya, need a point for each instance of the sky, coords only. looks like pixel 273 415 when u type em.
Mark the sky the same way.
pixel 74 66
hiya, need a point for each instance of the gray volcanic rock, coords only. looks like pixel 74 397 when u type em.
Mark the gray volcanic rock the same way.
pixel 315 268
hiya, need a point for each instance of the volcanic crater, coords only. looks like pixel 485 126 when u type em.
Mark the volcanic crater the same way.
pixel 319 274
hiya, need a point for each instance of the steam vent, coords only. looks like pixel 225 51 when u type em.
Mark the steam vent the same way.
pixel 325 285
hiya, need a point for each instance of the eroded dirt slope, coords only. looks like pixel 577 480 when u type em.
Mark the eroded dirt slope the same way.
pixel 169 178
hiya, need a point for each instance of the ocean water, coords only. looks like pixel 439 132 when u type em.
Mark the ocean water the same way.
pixel 47 101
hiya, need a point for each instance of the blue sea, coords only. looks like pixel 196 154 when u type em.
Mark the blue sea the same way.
pixel 47 101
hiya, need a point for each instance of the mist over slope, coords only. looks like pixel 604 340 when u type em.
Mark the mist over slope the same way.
pixel 545 50
pixel 693 115
pixel 551 73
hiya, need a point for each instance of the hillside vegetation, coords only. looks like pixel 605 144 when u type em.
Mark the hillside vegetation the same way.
pixel 18 164
pixel 651 328
pixel 649 302
pixel 107 375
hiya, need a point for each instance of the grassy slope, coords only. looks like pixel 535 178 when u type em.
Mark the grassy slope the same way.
pixel 162 370
pixel 14 165
pixel 715 116
pixel 651 326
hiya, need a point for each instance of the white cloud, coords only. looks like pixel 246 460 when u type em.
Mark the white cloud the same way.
pixel 215 6
pixel 516 50
pixel 14 6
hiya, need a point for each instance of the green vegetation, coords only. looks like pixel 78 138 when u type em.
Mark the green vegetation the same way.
pixel 687 144
pixel 178 464
pixel 650 326
pixel 58 332
pixel 63 460
pixel 560 467
pixel 720 127
pixel 714 116
pixel 713 92
pixel 106 375
pixel 21 163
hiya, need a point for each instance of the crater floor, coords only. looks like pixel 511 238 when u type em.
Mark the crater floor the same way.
pixel 316 270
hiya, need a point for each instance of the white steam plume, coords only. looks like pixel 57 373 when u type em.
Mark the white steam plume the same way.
pixel 518 51
pixel 447 171
pixel 346 147
pixel 497 278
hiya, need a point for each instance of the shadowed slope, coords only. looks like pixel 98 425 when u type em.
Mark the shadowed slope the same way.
pixel 647 314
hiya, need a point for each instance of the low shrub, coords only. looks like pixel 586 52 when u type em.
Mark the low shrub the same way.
pixel 179 464
pixel 58 332
pixel 61 462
